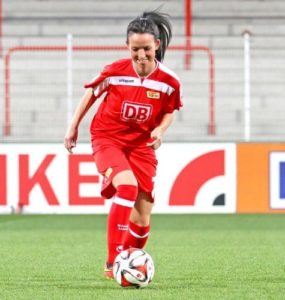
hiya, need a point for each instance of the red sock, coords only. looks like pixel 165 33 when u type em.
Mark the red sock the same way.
pixel 136 236
pixel 118 219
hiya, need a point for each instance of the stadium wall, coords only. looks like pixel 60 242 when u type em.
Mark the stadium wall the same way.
pixel 191 178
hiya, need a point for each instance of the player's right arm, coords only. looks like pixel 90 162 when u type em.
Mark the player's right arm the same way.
pixel 72 131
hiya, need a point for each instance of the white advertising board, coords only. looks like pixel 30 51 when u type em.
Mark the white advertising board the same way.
pixel 44 178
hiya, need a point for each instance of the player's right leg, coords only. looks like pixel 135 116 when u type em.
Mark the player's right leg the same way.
pixel 120 184
pixel 126 188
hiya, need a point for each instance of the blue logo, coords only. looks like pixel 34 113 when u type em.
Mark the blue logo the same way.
pixel 282 180
pixel 277 180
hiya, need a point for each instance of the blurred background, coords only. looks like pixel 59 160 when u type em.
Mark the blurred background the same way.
pixel 229 55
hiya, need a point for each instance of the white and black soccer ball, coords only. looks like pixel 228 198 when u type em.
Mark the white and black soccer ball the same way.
pixel 133 267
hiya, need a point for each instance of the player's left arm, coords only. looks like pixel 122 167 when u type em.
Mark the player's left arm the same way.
pixel 157 133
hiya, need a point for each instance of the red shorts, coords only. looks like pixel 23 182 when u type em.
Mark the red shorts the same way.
pixel 111 158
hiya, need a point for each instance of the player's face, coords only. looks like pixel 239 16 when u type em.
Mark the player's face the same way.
pixel 142 47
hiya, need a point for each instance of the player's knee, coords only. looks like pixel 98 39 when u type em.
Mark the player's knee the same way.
pixel 127 191
pixel 125 177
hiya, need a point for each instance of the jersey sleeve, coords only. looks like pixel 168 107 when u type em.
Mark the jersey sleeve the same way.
pixel 100 83
pixel 175 100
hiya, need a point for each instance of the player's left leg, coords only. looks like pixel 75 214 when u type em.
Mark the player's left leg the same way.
pixel 143 163
pixel 139 224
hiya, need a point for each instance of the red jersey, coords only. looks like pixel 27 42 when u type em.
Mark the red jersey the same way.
pixel 133 106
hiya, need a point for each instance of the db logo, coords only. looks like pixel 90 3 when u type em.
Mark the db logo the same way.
pixel 136 112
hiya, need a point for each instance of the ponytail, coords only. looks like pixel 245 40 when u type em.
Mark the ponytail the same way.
pixel 155 23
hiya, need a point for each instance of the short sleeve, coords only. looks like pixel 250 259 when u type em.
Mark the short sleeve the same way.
pixel 100 83
pixel 175 101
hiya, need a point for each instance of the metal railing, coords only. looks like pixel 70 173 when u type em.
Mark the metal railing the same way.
pixel 30 49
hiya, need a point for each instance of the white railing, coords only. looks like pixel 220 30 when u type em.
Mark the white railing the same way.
pixel 249 90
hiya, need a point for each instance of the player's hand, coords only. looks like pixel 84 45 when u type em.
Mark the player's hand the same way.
pixel 70 139
pixel 155 138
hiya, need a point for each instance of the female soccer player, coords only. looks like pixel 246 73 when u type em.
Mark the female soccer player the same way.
pixel 138 107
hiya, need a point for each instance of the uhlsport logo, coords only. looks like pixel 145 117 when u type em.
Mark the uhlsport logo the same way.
pixel 277 180
pixel 136 112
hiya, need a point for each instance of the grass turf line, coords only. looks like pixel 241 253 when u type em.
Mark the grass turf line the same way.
pixel 196 257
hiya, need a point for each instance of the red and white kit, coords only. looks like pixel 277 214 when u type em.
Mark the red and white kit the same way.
pixel 133 106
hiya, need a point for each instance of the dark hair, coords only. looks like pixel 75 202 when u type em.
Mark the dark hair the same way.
pixel 155 23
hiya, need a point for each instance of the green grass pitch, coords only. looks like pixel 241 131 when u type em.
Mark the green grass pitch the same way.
pixel 196 257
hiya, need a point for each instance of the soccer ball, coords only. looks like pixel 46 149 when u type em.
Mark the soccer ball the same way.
pixel 133 268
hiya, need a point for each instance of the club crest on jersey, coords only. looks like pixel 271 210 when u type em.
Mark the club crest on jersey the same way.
pixel 153 95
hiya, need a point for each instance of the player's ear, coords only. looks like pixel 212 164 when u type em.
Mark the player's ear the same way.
pixel 157 44
pixel 127 44
pixel 127 40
